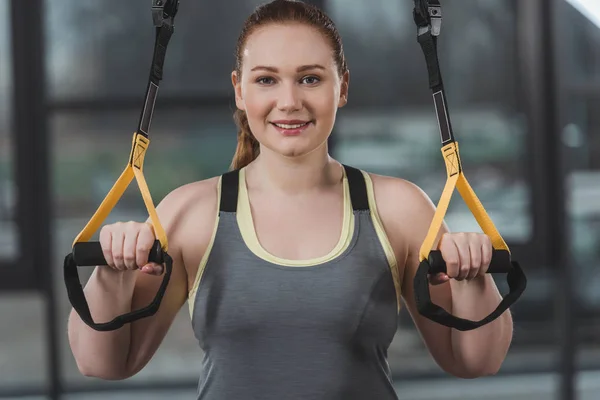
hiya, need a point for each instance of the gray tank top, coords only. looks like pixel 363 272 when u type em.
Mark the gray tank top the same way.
pixel 277 329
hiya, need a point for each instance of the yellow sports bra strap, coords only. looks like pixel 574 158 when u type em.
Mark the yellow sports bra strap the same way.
pixel 456 179
pixel 133 169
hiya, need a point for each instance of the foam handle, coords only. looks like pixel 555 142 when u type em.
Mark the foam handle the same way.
pixel 500 264
pixel 87 254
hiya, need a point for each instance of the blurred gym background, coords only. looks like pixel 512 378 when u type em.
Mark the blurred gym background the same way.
pixel 523 86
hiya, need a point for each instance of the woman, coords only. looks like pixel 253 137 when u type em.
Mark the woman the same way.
pixel 292 264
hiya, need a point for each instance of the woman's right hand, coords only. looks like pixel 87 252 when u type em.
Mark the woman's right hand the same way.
pixel 126 246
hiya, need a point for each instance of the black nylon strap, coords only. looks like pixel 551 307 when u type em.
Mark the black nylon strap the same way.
pixel 78 301
pixel 427 16
pixel 229 191
pixel 428 44
pixel 358 189
pixel 516 282
pixel 162 37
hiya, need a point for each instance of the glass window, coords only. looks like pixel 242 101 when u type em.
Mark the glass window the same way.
pixel 23 355
pixel 580 73
pixel 23 350
pixel 99 49
pixel 580 34
pixel 8 245
pixel 583 190
pixel 92 149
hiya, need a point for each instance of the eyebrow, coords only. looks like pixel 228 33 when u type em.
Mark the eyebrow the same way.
pixel 299 69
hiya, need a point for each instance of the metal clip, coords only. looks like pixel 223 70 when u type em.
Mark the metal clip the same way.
pixel 158 7
pixel 435 15
pixel 164 11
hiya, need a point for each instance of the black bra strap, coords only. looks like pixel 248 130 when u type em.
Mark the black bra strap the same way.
pixel 229 191
pixel 358 189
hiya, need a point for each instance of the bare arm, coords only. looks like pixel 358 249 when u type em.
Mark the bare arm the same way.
pixel 120 354
pixel 469 354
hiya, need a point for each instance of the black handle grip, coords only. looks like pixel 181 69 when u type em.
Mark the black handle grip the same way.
pixel 90 254
pixel 87 254
pixel 500 263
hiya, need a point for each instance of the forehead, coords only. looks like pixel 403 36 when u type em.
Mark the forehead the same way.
pixel 283 45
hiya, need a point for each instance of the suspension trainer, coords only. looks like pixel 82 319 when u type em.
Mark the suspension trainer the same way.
pixel 427 15
pixel 89 253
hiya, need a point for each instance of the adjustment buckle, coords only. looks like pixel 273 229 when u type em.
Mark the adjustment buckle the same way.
pixel 428 17
pixel 163 11
pixel 435 18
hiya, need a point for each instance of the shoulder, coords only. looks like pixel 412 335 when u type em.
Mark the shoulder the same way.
pixel 195 201
pixel 191 196
pixel 399 198
pixel 405 211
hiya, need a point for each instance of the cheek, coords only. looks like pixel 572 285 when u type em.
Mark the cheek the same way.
pixel 324 105
pixel 258 105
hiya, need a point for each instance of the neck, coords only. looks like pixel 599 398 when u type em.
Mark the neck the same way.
pixel 295 175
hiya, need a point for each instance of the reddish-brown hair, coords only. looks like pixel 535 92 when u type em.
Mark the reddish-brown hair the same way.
pixel 278 11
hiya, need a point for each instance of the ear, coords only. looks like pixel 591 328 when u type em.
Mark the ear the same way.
pixel 344 89
pixel 237 87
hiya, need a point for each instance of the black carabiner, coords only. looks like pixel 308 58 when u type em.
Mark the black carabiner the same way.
pixel 428 16
pixel 163 12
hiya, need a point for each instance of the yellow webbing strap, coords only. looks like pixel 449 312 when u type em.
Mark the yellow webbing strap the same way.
pixel 133 169
pixel 456 178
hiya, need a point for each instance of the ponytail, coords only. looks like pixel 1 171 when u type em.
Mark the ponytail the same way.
pixel 247 146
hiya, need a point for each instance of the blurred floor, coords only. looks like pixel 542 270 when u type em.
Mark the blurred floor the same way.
pixel 526 387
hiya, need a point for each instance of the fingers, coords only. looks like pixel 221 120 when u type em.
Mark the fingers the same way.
pixel 450 255
pixel 467 255
pixel 118 239
pixel 487 251
pixel 462 244
pixel 145 241
pixel 152 269
pixel 132 232
pixel 126 247
pixel 475 250
pixel 438 279
pixel 106 244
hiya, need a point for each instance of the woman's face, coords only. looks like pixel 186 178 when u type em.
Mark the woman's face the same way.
pixel 289 88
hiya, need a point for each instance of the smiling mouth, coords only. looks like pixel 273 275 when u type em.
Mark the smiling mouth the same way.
pixel 291 126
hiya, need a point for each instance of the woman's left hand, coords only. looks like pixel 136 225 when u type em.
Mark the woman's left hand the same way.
pixel 467 256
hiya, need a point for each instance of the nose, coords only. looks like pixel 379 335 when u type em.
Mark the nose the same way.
pixel 289 98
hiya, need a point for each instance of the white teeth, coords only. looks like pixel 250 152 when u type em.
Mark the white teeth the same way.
pixel 285 126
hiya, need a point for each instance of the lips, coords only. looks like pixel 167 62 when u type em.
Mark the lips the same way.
pixel 291 127
pixel 290 124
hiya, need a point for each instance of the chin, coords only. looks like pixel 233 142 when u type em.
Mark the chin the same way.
pixel 293 150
